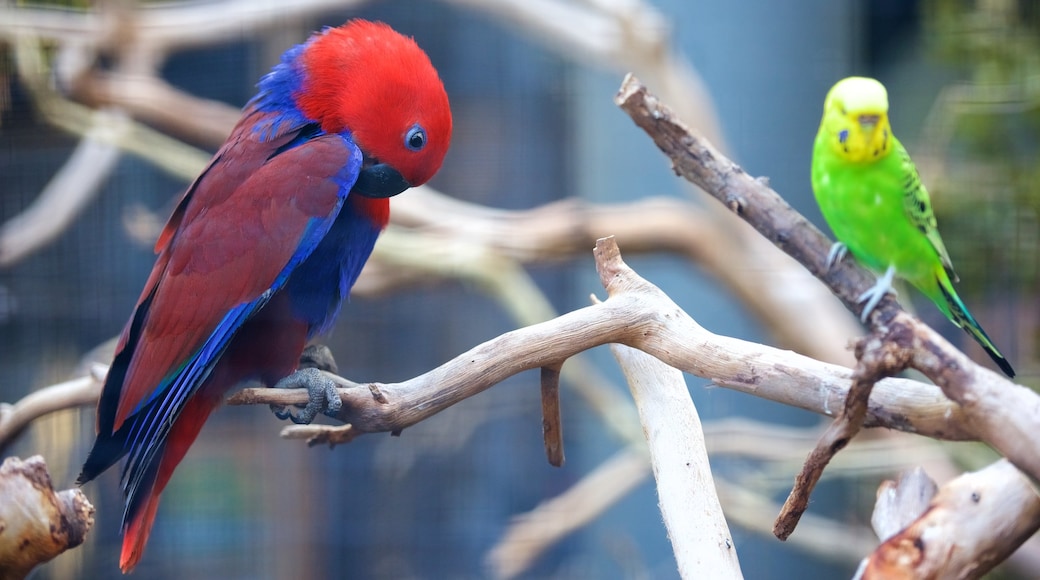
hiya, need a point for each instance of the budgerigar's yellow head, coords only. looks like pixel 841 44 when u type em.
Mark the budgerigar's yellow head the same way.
pixel 855 120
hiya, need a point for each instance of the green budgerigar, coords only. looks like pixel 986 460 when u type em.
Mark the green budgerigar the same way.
pixel 874 202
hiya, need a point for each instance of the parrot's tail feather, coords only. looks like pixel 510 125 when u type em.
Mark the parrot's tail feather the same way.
pixel 961 317
pixel 136 532
pixel 143 501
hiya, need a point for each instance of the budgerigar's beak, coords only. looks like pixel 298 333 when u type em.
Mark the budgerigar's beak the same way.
pixel 379 180
pixel 868 123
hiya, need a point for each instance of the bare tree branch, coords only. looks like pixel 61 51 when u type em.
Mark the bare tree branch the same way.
pixel 637 314
pixel 686 493
pixel 75 393
pixel 36 523
pixel 973 523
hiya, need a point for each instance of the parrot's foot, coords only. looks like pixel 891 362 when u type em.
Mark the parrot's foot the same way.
pixel 837 254
pixel 318 356
pixel 876 292
pixel 322 396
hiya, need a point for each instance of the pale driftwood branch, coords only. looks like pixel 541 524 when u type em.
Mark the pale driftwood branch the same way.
pixel 973 523
pixel 37 523
pixel 74 393
pixel 689 504
pixel 637 314
pixel 901 502
pixel 1005 415
pixel 532 533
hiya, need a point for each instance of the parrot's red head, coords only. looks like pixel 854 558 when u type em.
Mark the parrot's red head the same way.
pixel 366 78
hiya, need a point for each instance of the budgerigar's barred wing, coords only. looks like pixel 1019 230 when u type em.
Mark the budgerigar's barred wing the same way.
pixel 919 209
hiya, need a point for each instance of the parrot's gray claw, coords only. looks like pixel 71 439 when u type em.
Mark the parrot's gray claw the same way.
pixel 837 254
pixel 322 396
pixel 876 292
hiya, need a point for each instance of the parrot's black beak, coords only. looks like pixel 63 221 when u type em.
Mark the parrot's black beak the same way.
pixel 379 180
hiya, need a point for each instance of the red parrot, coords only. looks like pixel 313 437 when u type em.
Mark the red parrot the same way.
pixel 265 245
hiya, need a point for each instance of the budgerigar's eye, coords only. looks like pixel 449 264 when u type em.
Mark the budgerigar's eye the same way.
pixel 415 138
pixel 843 136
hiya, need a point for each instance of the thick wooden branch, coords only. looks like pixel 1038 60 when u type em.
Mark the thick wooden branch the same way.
pixel 37 523
pixel 973 523
pixel 1005 415
pixel 686 493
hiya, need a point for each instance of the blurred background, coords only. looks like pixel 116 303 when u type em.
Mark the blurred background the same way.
pixel 531 86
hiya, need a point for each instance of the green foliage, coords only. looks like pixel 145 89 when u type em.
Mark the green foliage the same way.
pixel 989 138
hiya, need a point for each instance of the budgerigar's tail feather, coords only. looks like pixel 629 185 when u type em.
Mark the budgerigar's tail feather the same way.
pixel 959 315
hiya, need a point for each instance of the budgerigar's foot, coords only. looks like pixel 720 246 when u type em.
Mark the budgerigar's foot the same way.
pixel 876 293
pixel 322 396
pixel 837 254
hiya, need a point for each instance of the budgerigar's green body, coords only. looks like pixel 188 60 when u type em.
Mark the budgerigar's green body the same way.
pixel 874 202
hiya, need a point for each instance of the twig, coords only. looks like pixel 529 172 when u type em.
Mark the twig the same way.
pixel 332 435
pixel 689 504
pixel 552 426
pixel 877 359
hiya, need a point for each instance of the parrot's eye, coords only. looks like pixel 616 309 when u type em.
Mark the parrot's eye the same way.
pixel 415 138
pixel 843 136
